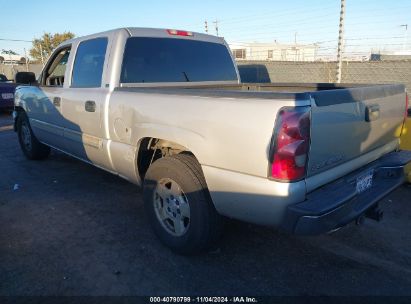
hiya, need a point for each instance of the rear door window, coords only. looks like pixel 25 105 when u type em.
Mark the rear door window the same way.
pixel 175 60
pixel 89 63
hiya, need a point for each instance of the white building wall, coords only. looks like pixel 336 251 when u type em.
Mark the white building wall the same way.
pixel 275 52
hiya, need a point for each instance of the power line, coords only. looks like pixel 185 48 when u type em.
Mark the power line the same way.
pixel 276 13
pixel 292 22
pixel 18 40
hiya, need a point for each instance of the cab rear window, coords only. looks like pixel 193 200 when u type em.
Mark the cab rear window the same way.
pixel 175 60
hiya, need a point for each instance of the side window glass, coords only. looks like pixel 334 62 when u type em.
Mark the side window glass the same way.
pixel 57 68
pixel 89 63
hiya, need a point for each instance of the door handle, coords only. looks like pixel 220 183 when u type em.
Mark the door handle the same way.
pixel 56 101
pixel 90 106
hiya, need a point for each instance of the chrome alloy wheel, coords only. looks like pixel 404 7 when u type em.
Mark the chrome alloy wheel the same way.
pixel 171 207
pixel 26 136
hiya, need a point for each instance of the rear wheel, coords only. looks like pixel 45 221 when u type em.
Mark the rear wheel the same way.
pixel 179 205
pixel 31 147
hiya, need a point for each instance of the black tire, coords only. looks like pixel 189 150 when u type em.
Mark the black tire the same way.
pixel 31 147
pixel 205 224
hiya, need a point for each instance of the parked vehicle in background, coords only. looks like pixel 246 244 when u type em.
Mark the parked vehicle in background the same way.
pixel 7 89
pixel 165 109
pixel 7 95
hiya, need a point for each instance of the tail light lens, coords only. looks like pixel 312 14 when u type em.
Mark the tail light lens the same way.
pixel 290 145
pixel 179 33
pixel 407 103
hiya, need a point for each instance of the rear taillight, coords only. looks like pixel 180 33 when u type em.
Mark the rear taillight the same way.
pixel 407 103
pixel 290 145
pixel 179 33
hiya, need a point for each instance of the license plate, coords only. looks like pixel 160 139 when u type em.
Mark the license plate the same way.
pixel 7 95
pixel 364 182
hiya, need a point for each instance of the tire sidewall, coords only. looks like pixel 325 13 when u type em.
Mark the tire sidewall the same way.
pixel 23 120
pixel 197 200
pixel 38 150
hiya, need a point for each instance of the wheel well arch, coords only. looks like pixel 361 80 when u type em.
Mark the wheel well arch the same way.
pixel 151 149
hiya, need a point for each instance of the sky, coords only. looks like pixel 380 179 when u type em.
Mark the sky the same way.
pixel 370 24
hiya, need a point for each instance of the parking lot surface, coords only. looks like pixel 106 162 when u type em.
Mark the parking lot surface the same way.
pixel 67 228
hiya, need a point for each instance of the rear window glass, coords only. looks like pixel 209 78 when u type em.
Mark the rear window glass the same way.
pixel 175 60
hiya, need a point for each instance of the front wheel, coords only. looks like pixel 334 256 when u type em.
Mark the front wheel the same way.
pixel 179 205
pixel 31 147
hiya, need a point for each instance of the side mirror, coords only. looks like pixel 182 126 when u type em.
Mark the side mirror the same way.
pixel 25 78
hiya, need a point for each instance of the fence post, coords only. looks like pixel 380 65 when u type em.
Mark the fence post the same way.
pixel 340 41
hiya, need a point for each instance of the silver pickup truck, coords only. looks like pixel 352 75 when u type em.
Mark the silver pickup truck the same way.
pixel 165 109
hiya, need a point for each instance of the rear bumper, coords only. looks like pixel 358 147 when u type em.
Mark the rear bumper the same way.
pixel 338 203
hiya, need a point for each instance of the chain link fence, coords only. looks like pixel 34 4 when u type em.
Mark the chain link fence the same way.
pixel 394 71
pixel 390 71
pixel 11 70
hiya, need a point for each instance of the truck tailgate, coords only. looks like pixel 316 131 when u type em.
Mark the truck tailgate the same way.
pixel 347 124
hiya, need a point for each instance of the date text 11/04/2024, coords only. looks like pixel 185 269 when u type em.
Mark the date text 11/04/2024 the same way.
pixel 239 299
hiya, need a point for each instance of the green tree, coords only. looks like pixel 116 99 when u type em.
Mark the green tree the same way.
pixel 44 46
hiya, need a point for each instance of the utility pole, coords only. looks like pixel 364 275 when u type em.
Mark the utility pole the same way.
pixel 27 60
pixel 405 36
pixel 11 59
pixel 41 54
pixel 216 26
pixel 295 46
pixel 340 49
pixel 206 26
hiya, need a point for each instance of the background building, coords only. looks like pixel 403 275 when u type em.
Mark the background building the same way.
pixel 274 51
pixel 12 59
